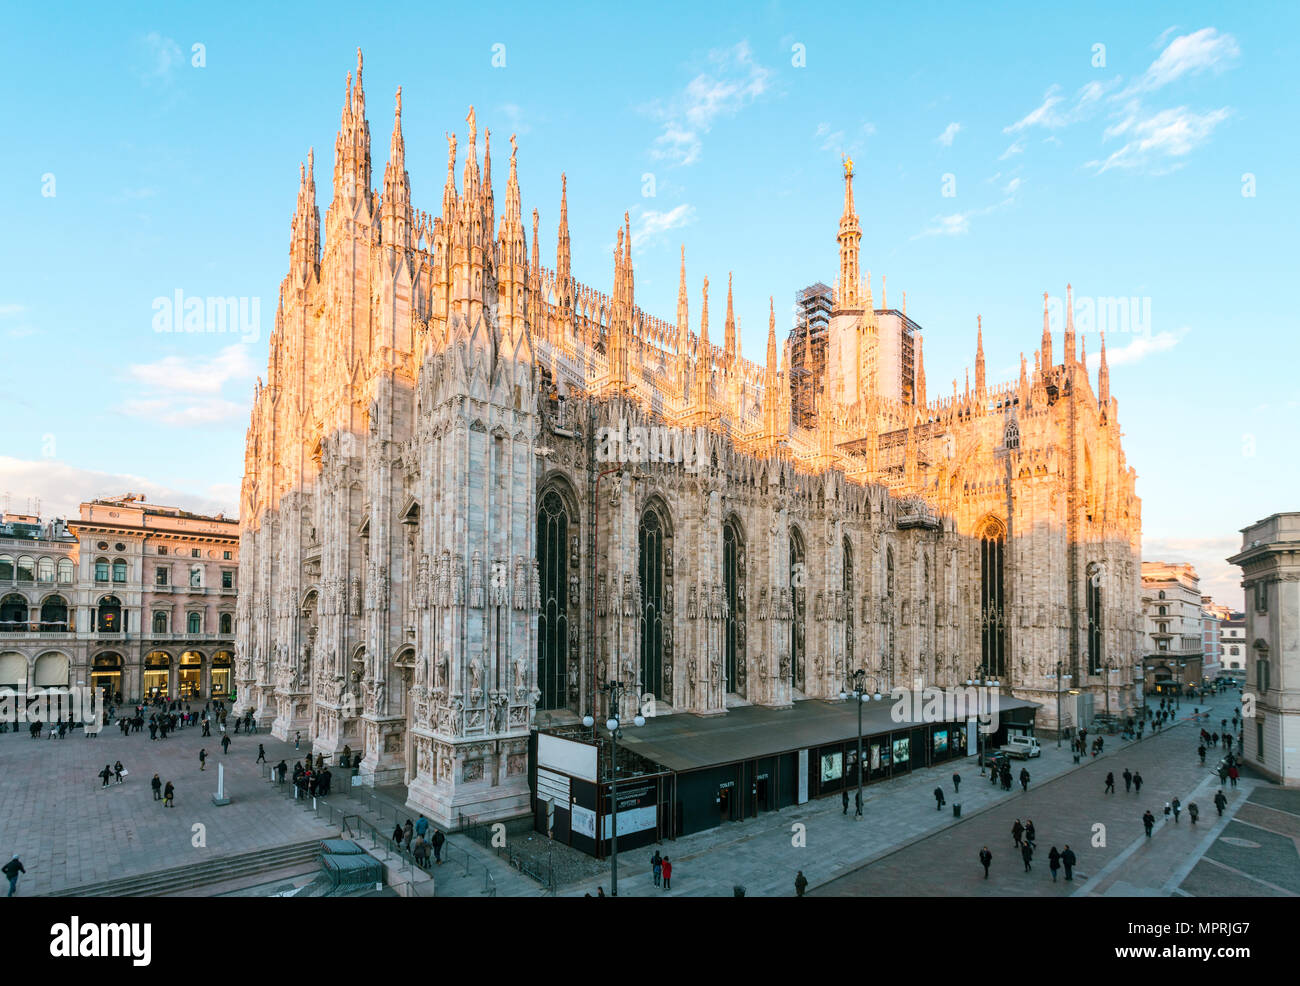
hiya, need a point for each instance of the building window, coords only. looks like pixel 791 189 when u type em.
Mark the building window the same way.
pixel 553 524
pixel 160 575
pixel 227 579
pixel 54 615
pixel 1096 630
pixel 159 622
pixel 13 613
pixel 798 577
pixel 1164 611
pixel 119 571
pixel 110 615
pixel 101 570
pixel 6 568
pixel 1162 645
pixel 227 623
pixel 45 570
pixel 733 553
pixel 1262 674
pixel 1261 596
pixel 226 555
pixel 1162 628
pixel 162 549
pixel 1259 740
pixel 194 623
pixel 654 673
pixel 26 569
pixel 194 553
pixel 992 615
pixel 67 571
pixel 196 577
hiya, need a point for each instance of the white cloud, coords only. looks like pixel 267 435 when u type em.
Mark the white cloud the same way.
pixel 732 82
pixel 1141 347
pixel 949 134
pixel 1190 54
pixel 1044 115
pixel 1010 187
pixel 62 487
pixel 958 223
pixel 197 374
pixel 8 310
pixel 1016 147
pixel 161 56
pixel 831 140
pixel 651 224
pixel 1156 137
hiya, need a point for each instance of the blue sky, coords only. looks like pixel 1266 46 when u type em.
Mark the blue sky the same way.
pixel 1120 169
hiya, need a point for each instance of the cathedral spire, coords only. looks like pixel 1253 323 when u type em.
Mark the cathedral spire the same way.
pixel 1024 377
pixel 1068 358
pixel 1045 346
pixel 918 397
pixel 1103 376
pixel 683 329
pixel 704 360
pixel 563 255
pixel 352 150
pixel 470 180
pixel 729 330
pixel 848 286
pixel 304 240
pixel 979 357
pixel 396 219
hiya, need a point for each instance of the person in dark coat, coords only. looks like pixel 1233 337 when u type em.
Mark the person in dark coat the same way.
pixel 105 774
pixel 1024 778
pixel 1016 831
pixel 169 795
pixel 1128 780
pixel 438 840
pixel 225 743
pixel 408 829
pixel 1137 781
pixel 156 784
pixel 857 801
pixel 1220 801
pixel 1110 783
pixel 657 862
pixel 280 770
pixel 397 835
pixel 938 799
pixel 956 782
pixel 261 754
pixel 1030 837
pixel 1026 854
pixel 1148 821
pixel 986 857
pixel 1068 859
pixel 11 869
pixel 203 759
pixel 1193 811
pixel 800 883
pixel 1053 861
pixel 1201 750
pixel 844 799
pixel 1178 808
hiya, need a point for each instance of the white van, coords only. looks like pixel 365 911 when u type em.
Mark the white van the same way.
pixel 1022 747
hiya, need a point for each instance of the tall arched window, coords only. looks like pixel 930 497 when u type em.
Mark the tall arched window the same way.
pixel 6 568
pixel 45 570
pixel 798 579
pixel 848 609
pixel 159 622
pixel 553 525
pixel 194 623
pixel 226 623
pixel 650 537
pixel 13 613
pixel 110 615
pixel 119 571
pixel 1095 628
pixel 54 615
pixel 992 610
pixel 67 571
pixel 26 568
pixel 733 548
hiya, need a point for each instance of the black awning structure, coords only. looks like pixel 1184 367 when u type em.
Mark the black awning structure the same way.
pixel 690 742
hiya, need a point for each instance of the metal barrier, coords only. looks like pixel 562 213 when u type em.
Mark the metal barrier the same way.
pixel 481 832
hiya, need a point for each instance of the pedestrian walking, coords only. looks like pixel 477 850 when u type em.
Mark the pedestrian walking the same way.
pixel 203 759
pixel 297 737
pixel 1068 860
pixel 1137 781
pixel 1233 774
pixel 169 795
pixel 1178 809
pixel 844 799
pixel 420 850
pixel 11 869
pixel 1024 778
pixel 105 774
pixel 1201 752
pixel 857 801
pixel 1030 836
pixel 1026 854
pixel 800 883
pixel 1128 780
pixel 1016 831
pixel 225 743
pixel 986 857
pixel 1110 783
pixel 261 754
pixel 397 836
pixel 938 799
pixel 667 869
pixel 656 867
pixel 1148 821
pixel 1053 861
pixel 956 782
pixel 421 825
pixel 408 830
pixel 156 784
pixel 1193 811
pixel 118 770
pixel 438 840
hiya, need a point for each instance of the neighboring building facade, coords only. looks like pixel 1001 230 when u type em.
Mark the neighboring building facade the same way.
pixel 134 598
pixel 1232 644
pixel 1270 564
pixel 1171 605
pixel 435 554
pixel 1211 662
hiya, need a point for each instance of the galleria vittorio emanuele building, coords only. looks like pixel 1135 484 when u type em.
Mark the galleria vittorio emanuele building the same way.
pixel 454 528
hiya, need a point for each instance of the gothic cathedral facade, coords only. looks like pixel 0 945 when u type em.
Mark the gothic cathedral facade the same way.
pixel 476 490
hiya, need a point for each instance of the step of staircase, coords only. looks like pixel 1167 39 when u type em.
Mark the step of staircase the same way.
pixel 217 870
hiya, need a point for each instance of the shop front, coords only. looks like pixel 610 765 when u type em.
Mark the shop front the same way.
pixel 106 675
pixel 157 675
pixel 191 675
pixel 221 664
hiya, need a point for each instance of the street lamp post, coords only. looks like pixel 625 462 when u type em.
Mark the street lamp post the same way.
pixel 980 679
pixel 1060 679
pixel 863 697
pixel 616 691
